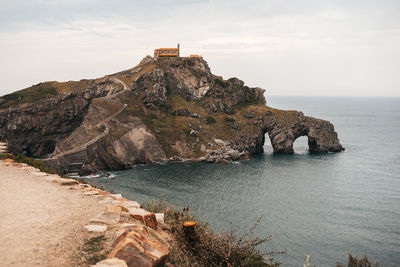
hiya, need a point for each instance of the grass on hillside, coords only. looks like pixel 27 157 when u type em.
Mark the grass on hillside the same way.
pixel 28 95
pixel 42 90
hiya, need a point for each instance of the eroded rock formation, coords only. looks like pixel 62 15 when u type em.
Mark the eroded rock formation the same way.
pixel 166 109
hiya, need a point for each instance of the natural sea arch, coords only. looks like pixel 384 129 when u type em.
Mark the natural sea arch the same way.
pixel 284 131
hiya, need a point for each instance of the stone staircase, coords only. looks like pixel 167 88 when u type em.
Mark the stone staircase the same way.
pixel 94 140
pixel 3 147
pixel 71 161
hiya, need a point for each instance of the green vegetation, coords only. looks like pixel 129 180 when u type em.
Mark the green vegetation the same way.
pixel 187 131
pixel 93 249
pixel 208 248
pixel 229 119
pixel 150 119
pixel 210 119
pixel 355 262
pixel 221 249
pixel 28 95
pixel 165 108
pixel 30 161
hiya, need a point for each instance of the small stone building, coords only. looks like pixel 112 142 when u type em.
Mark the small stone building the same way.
pixel 167 52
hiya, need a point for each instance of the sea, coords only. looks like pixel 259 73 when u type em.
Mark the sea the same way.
pixel 322 205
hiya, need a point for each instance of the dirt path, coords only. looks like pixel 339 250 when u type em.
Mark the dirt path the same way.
pixel 41 222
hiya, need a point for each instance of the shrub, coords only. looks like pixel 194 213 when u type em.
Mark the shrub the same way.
pixel 355 262
pixel 229 119
pixel 210 119
pixel 165 108
pixel 187 131
pixel 30 161
pixel 209 249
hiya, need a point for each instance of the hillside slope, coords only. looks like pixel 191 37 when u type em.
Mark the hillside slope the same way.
pixel 166 109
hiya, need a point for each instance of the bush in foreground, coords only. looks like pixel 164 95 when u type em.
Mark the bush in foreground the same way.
pixel 27 160
pixel 208 248
pixel 355 262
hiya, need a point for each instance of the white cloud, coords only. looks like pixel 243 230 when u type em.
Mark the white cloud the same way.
pixel 289 49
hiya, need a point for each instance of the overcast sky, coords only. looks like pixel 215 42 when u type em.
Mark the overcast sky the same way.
pixel 303 47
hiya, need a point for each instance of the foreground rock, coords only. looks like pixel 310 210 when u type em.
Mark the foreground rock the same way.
pixel 171 109
pixel 137 247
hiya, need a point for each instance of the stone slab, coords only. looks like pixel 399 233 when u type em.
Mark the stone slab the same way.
pixel 159 217
pixel 116 209
pixel 138 213
pixel 96 228
pixel 116 196
pixel 106 218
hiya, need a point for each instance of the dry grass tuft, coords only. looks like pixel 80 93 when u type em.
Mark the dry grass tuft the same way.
pixel 208 248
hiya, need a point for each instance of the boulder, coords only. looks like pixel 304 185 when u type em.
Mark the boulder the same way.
pixel 116 209
pixel 182 112
pixel 150 220
pixel 233 125
pixel 130 204
pixel 194 133
pixel 138 213
pixel 138 248
pixel 233 154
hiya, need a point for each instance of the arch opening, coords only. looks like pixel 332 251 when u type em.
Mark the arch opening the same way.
pixel 300 145
pixel 267 144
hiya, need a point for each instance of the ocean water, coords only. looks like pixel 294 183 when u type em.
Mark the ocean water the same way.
pixel 325 206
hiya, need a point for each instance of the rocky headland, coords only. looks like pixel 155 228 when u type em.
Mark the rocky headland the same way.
pixel 162 110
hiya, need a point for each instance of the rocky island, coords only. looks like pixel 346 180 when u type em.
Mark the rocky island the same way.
pixel 162 110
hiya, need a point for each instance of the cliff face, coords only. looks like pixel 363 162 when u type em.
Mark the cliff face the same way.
pixel 166 109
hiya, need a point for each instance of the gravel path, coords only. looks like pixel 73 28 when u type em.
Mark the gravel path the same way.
pixel 41 222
